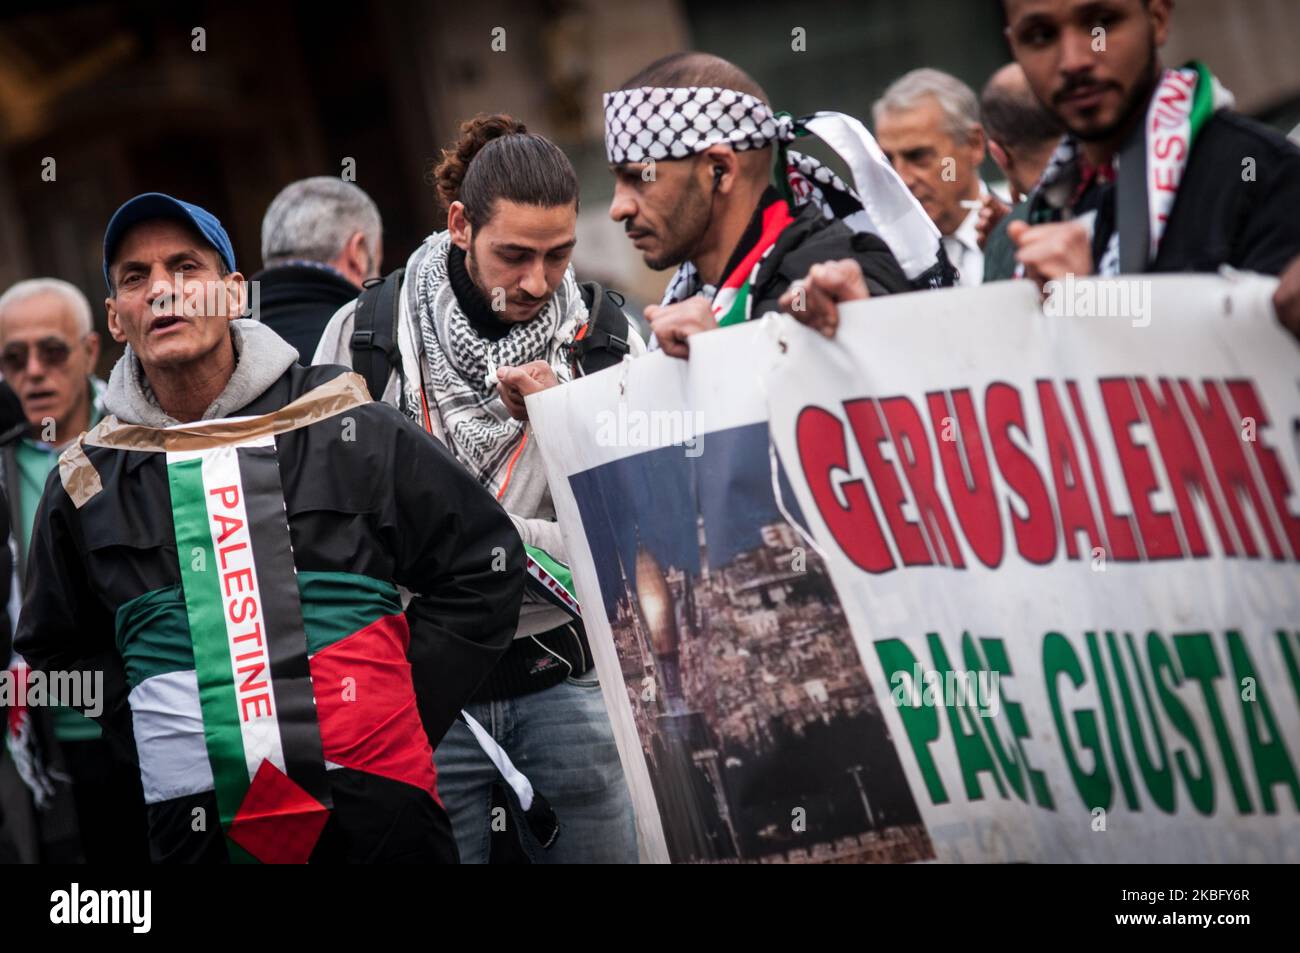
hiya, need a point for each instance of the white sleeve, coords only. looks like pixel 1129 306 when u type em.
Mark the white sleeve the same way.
pixel 636 347
pixel 335 345
pixel 336 348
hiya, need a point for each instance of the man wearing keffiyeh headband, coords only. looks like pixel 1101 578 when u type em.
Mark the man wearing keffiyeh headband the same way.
pixel 705 183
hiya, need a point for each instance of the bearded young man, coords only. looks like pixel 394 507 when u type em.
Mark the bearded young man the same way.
pixel 1156 173
pixel 486 312
pixel 219 552
pixel 691 142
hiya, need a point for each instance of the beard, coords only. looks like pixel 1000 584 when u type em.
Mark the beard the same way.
pixel 1134 106
pixel 491 296
pixel 471 268
pixel 690 218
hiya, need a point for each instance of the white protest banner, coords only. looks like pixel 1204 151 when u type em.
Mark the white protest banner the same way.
pixel 1049 610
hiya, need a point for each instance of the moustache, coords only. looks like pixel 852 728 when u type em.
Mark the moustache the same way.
pixel 1080 85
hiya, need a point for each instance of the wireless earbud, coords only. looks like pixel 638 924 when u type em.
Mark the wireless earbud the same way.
pixel 717 176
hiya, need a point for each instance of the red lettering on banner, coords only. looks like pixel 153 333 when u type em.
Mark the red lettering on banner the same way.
pixel 262 700
pixel 1170 98
pixel 1250 406
pixel 973 497
pixel 255 670
pixel 255 633
pixel 912 447
pixel 235 557
pixel 229 495
pixel 1036 531
pixel 1185 470
pixel 238 574
pixel 1163 147
pixel 247 609
pixel 868 430
pixel 1072 500
pixel 1119 529
pixel 229 524
pixel 1166 179
pixel 820 437
pixel 1223 444
pixel 224 551
pixel 1157 529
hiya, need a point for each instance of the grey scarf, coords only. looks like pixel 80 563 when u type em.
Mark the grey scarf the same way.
pixel 461 364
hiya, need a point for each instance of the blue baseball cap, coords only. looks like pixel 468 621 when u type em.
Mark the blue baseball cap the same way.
pixel 155 205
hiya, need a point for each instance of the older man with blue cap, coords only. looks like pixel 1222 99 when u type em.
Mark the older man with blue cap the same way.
pixel 280 637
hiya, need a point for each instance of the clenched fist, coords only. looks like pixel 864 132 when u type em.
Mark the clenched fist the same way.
pixel 813 299
pixel 673 324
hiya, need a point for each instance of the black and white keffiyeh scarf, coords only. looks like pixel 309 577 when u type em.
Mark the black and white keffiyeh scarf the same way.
pixel 460 364
pixel 652 123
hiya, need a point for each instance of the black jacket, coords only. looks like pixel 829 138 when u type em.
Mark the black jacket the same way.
pixel 297 302
pixel 813 238
pixel 1238 203
pixel 379 501
pixel 1221 218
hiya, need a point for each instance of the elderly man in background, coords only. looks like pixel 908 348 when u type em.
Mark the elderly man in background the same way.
pixel 321 240
pixel 928 124
pixel 48 349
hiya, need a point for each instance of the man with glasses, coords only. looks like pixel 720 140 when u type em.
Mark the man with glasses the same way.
pixel 48 351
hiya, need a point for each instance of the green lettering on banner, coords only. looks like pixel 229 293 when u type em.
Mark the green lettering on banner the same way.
pixel 1059 659
pixel 996 653
pixel 1196 653
pixel 920 722
pixel 1011 766
pixel 1112 722
pixel 972 756
pixel 1292 668
pixel 1159 780
pixel 1200 785
pixel 1272 764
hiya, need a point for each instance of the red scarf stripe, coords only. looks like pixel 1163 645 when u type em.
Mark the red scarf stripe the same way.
pixel 775 219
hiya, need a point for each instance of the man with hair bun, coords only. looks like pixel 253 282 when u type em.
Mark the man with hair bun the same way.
pixel 484 313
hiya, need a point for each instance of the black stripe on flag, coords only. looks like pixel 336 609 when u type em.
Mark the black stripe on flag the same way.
pixel 282 624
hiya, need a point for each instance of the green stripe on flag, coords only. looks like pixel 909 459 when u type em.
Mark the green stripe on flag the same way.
pixel 216 675
pixel 736 313
pixel 549 574
pixel 1202 100
pixel 153 630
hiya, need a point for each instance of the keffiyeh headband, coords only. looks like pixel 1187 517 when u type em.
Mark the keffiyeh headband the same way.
pixel 673 123
pixel 655 123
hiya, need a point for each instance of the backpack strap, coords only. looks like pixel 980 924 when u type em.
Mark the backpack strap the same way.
pixel 374 331
pixel 603 341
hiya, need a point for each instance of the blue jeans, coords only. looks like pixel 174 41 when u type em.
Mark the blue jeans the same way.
pixel 561 739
